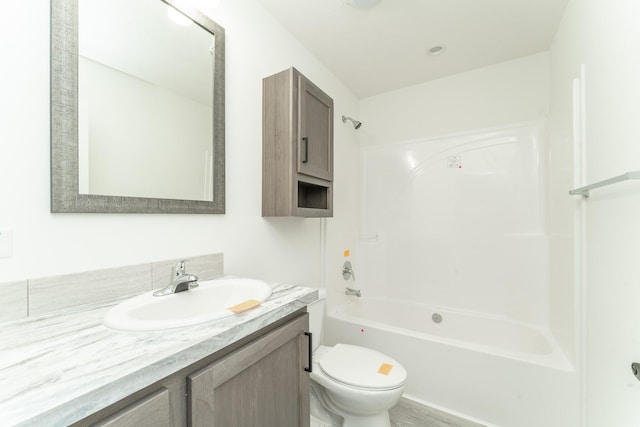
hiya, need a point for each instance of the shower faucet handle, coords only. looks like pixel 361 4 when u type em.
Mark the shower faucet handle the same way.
pixel 347 271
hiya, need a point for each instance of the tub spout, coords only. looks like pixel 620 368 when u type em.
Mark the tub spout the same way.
pixel 351 291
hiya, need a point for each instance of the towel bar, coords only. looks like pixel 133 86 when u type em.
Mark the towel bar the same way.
pixel 584 191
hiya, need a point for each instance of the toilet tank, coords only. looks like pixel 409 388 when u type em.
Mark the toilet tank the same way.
pixel 316 318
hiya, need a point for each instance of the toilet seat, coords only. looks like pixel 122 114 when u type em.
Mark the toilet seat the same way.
pixel 362 368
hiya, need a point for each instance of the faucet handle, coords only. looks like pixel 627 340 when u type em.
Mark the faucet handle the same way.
pixel 179 268
pixel 180 265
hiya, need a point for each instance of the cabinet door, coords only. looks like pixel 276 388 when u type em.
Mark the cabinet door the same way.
pixel 262 384
pixel 315 131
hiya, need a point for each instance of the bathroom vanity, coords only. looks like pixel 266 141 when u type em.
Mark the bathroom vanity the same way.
pixel 66 368
pixel 257 381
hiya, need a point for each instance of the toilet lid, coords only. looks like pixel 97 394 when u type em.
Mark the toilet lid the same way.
pixel 362 367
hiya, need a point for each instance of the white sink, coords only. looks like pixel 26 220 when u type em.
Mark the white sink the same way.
pixel 209 301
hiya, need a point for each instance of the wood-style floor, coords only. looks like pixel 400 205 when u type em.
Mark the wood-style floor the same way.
pixel 411 414
pixel 408 413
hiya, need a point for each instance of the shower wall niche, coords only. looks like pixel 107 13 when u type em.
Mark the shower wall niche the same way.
pixel 459 222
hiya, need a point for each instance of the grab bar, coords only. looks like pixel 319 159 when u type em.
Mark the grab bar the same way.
pixel 584 191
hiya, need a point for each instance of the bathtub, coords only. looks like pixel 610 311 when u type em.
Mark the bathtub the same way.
pixel 495 370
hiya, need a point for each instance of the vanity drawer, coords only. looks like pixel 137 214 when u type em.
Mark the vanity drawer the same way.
pixel 153 410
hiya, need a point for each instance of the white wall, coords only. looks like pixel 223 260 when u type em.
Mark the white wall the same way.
pixel 275 249
pixel 604 35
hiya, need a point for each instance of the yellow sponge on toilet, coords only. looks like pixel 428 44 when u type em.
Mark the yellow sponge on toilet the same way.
pixel 385 368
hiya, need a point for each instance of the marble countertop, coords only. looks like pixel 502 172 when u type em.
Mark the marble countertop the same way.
pixel 59 368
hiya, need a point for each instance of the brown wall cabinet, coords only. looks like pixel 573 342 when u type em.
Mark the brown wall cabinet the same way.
pixel 297 147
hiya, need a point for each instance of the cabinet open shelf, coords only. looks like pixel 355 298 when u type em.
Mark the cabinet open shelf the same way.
pixel 313 196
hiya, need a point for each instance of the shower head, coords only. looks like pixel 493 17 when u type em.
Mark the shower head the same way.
pixel 356 124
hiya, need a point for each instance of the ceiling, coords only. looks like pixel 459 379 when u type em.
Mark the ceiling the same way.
pixel 384 47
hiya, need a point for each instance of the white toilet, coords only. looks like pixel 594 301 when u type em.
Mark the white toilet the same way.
pixel 351 386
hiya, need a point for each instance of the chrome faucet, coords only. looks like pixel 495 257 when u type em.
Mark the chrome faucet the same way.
pixel 180 280
pixel 347 273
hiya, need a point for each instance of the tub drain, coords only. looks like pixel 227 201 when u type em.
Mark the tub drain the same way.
pixel 437 318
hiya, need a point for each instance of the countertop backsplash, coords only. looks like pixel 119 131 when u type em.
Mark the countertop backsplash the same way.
pixel 35 297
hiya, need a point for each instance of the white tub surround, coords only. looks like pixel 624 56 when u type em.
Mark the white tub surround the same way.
pixel 458 222
pixel 59 368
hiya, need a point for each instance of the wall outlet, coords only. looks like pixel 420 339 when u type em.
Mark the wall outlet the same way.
pixel 6 243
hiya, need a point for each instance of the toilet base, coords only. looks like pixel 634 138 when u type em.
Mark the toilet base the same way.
pixel 322 417
pixel 315 422
pixel 381 420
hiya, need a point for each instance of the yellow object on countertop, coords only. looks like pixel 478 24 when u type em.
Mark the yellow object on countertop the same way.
pixel 243 306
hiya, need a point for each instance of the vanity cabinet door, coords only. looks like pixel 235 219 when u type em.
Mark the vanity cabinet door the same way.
pixel 262 384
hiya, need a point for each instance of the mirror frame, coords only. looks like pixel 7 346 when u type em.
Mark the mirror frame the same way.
pixel 65 196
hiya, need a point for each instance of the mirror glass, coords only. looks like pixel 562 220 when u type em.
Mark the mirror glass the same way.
pixel 145 98
pixel 143 129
